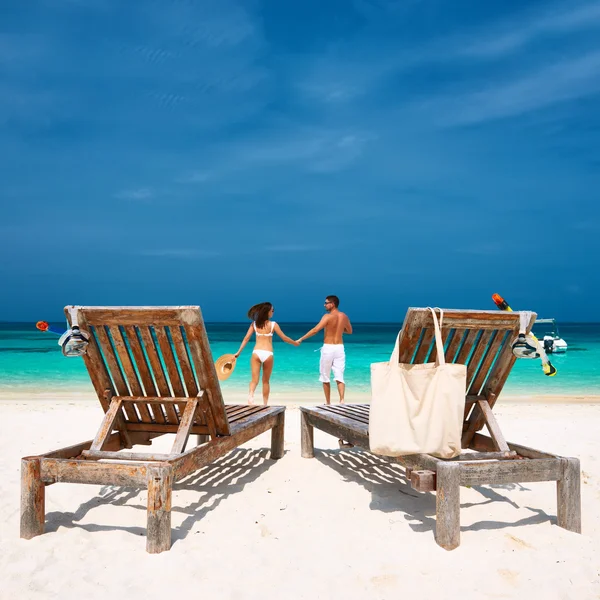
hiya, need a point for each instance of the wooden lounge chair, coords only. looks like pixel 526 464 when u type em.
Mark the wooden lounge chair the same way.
pixel 153 373
pixel 482 341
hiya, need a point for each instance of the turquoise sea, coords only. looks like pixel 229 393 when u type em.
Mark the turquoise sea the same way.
pixel 32 359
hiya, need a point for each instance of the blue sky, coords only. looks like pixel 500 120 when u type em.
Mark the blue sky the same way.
pixel 222 153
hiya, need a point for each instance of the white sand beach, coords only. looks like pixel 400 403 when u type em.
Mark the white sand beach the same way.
pixel 342 525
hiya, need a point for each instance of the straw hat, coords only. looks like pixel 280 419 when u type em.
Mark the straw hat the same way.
pixel 225 365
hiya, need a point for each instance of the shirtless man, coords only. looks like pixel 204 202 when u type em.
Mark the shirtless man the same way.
pixel 335 323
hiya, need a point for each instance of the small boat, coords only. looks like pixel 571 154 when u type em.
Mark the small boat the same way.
pixel 547 333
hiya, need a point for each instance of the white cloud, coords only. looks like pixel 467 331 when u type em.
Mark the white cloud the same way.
pixel 515 35
pixel 135 194
pixel 567 80
pixel 194 177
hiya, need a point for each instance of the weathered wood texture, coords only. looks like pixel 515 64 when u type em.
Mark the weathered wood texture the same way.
pixel 423 481
pixel 55 470
pixel 160 485
pixel 492 426
pixel 485 443
pixel 569 496
pixel 487 465
pixel 33 497
pixel 307 443
pixel 153 373
pixel 447 505
pixel 132 348
pixel 201 456
pixel 277 437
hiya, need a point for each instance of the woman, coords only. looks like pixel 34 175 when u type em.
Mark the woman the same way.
pixel 262 355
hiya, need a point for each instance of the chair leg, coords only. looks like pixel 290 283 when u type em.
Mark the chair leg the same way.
pixel 306 437
pixel 447 513
pixel 277 437
pixel 158 532
pixel 33 498
pixel 569 496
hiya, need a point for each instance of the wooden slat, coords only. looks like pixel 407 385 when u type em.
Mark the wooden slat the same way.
pixel 157 368
pixel 409 335
pixel 169 360
pixel 463 353
pixel 340 410
pixel 176 400
pixel 144 371
pixel 424 347
pixel 474 456
pixel 108 424
pixel 183 432
pixel 233 410
pixel 94 364
pixel 504 364
pixel 164 428
pixel 205 369
pixel 487 363
pixel 242 415
pixel 482 346
pixel 130 374
pixel 159 374
pixel 208 417
pixel 359 413
pixel 56 470
pixel 113 443
pixel 127 456
pixel 133 315
pixel 200 456
pixel 454 345
pixel 492 425
pixel 184 362
pixel 501 369
pixel 510 471
pixel 476 357
pixel 470 319
pixel 485 443
pixel 115 371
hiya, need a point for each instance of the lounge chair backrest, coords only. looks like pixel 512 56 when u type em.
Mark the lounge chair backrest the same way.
pixel 155 353
pixel 480 339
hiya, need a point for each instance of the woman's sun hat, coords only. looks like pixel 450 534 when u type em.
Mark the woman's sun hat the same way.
pixel 225 365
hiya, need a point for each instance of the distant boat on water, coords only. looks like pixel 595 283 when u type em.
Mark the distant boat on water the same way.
pixel 547 332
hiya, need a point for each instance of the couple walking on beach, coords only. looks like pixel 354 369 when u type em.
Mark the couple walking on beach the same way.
pixel 333 357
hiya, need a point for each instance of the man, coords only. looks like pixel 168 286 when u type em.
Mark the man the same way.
pixel 335 323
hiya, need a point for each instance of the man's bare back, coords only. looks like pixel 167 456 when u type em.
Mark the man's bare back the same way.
pixel 336 324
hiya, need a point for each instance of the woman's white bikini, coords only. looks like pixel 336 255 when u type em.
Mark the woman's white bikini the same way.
pixel 263 354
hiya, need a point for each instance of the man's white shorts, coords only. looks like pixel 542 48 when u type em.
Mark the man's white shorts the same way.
pixel 333 357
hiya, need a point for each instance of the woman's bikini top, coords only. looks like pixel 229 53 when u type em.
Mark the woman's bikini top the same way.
pixel 265 334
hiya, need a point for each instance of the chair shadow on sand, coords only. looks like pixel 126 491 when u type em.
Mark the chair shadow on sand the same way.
pixel 212 484
pixel 391 492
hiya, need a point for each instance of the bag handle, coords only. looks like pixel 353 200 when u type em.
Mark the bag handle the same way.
pixel 441 359
pixel 395 358
pixel 439 344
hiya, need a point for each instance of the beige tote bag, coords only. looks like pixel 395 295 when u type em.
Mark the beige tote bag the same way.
pixel 417 409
